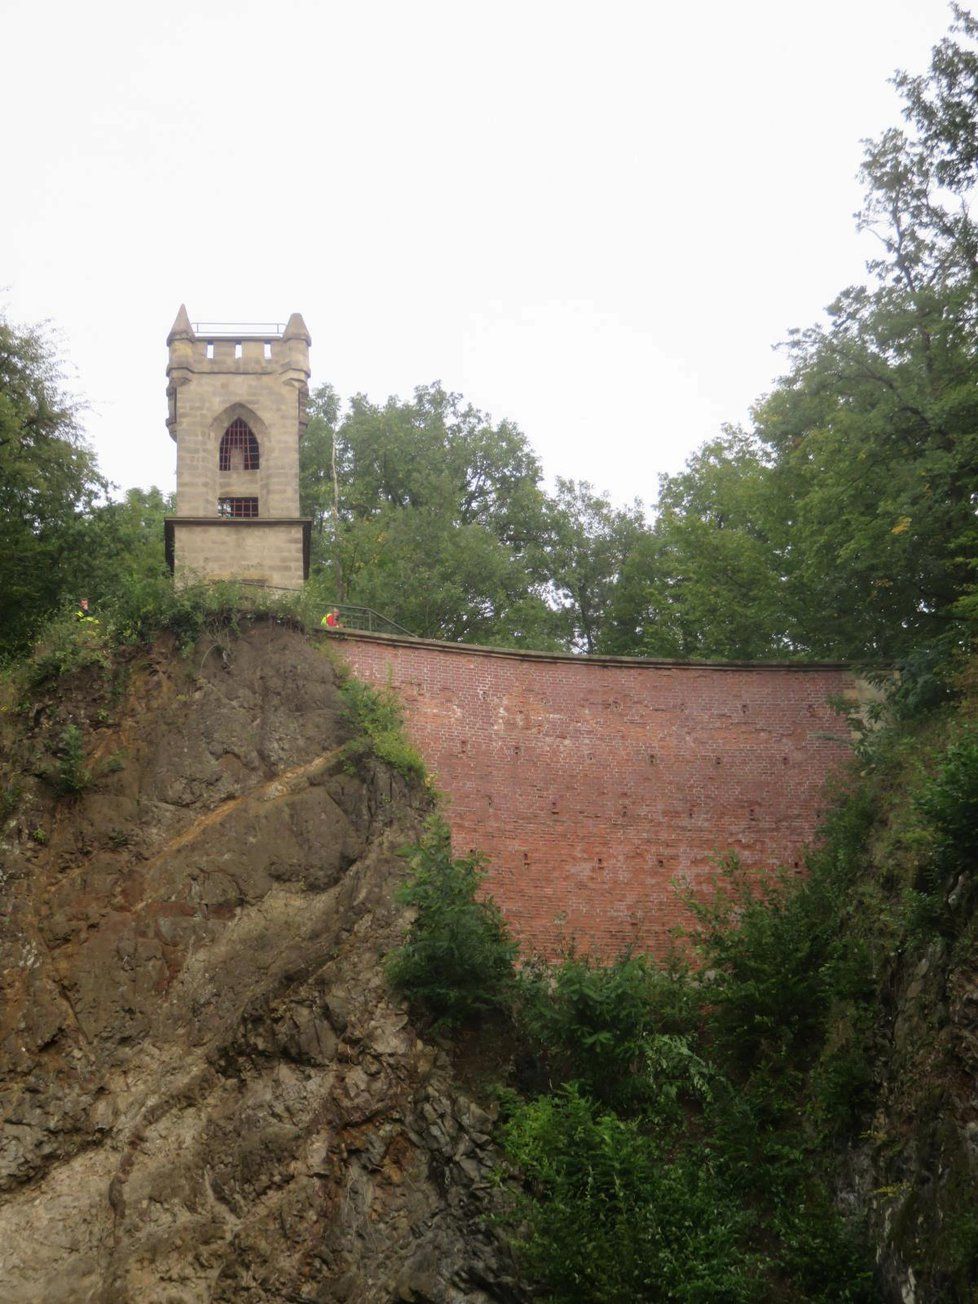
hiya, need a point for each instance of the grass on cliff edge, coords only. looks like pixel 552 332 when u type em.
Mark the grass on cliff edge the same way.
pixel 139 609
pixel 378 721
pixel 135 614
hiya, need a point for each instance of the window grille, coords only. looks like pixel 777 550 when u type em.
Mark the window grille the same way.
pixel 239 448
pixel 238 507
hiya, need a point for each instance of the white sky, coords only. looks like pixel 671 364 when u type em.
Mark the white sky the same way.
pixel 594 219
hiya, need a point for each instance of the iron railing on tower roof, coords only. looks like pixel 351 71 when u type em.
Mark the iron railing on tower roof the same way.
pixel 238 330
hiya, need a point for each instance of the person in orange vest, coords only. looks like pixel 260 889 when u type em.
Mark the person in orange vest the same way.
pixel 332 619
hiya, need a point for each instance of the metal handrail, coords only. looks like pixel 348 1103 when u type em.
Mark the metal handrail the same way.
pixel 354 617
pixel 238 329
pixel 260 584
pixel 351 616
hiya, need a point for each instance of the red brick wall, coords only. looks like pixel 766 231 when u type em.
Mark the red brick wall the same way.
pixel 596 787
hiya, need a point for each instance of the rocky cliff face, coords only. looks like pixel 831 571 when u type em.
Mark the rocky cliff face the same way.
pixel 914 1172
pixel 207 1091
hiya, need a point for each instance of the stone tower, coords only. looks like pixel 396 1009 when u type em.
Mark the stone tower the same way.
pixel 237 409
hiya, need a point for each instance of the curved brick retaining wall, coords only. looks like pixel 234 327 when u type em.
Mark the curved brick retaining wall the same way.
pixel 597 786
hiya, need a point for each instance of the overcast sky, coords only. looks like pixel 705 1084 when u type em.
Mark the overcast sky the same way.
pixel 595 219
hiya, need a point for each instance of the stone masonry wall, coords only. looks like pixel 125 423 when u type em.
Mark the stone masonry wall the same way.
pixel 241 550
pixel 598 788
pixel 213 381
pixel 221 388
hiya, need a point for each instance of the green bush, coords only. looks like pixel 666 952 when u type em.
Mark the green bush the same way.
pixel 377 717
pixel 947 810
pixel 456 963
pixel 139 607
pixel 66 645
pixel 675 1142
pixel 949 803
pixel 764 955
pixel 608 1216
pixel 72 775
pixel 782 960
pixel 824 1257
pixel 924 678
pixel 602 1025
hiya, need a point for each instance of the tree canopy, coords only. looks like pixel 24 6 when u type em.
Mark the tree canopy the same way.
pixel 48 482
pixel 840 523
pixel 429 513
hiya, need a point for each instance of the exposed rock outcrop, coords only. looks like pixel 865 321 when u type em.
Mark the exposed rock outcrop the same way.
pixel 208 1092
pixel 914 1172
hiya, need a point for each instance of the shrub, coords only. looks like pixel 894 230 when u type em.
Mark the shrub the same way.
pixel 609 1217
pixel 377 717
pixel 141 606
pixel 10 794
pixel 456 963
pixel 64 646
pixel 72 775
pixel 950 805
pixel 138 608
pixel 782 959
pixel 947 811
pixel 764 956
pixel 825 1258
pixel 925 678
pixel 602 1025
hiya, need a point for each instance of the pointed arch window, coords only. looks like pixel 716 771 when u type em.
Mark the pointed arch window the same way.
pixel 239 448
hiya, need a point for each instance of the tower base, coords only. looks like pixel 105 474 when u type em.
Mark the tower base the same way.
pixel 272 551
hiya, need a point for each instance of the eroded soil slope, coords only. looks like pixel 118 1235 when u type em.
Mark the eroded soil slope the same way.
pixel 207 1091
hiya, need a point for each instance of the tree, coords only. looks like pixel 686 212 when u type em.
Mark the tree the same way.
pixel 48 482
pixel 874 432
pixel 319 482
pixel 429 513
pixel 124 541
pixel 589 543
pixel 712 583
pixel 844 524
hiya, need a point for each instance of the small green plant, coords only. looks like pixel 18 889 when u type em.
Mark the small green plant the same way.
pixel 142 607
pixel 139 607
pixel 39 836
pixel 456 963
pixel 72 775
pixel 378 719
pixel 10 794
pixel 118 838
pixel 924 678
